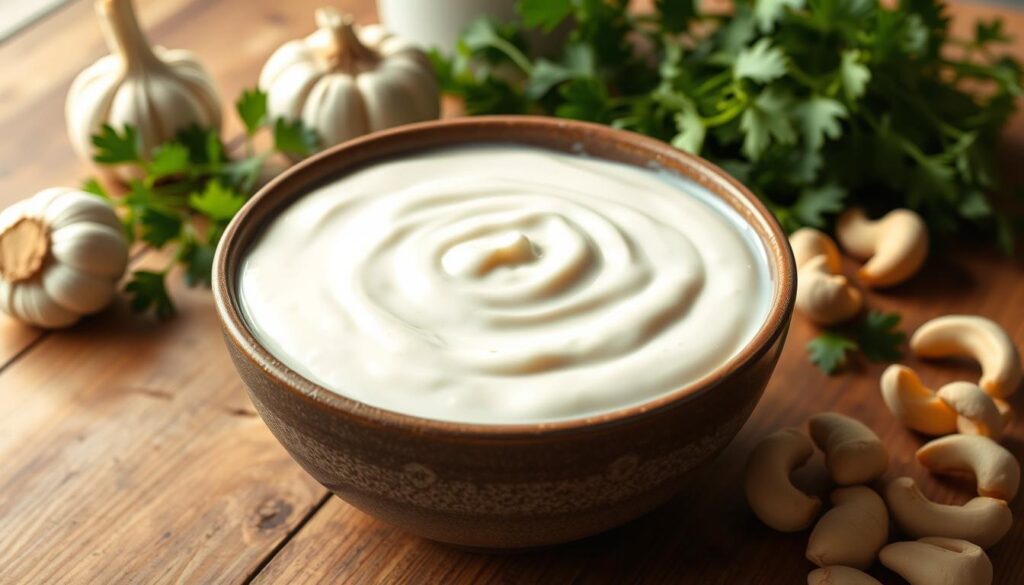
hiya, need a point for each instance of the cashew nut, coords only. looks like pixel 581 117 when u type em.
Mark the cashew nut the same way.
pixel 978 414
pixel 938 561
pixel 896 245
pixel 995 469
pixel 770 493
pixel 1005 411
pixel 852 532
pixel 840 576
pixel 809 242
pixel 973 337
pixel 853 452
pixel 915 405
pixel 983 521
pixel 823 297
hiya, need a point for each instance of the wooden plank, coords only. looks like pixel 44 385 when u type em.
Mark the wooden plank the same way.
pixel 131 451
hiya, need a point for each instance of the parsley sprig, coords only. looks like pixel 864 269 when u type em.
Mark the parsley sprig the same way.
pixel 816 105
pixel 188 190
pixel 875 336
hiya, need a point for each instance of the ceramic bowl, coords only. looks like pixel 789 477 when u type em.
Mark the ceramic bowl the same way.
pixel 503 485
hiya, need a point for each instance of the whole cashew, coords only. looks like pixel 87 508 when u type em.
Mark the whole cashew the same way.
pixel 852 532
pixel 983 521
pixel 978 414
pixel 770 493
pixel 896 244
pixel 973 337
pixel 853 452
pixel 823 297
pixel 809 242
pixel 840 576
pixel 915 405
pixel 995 469
pixel 938 561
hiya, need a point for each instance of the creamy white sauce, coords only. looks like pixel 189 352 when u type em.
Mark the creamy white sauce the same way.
pixel 505 284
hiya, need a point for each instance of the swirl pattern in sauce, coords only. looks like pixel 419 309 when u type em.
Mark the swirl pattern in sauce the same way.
pixel 503 284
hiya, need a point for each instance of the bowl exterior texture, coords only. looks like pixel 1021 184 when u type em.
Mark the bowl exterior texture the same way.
pixel 516 493
pixel 514 486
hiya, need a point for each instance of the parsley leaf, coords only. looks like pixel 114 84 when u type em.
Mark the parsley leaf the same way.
pixel 815 203
pixel 252 109
pixel 293 137
pixel 761 62
pixel 159 226
pixel 217 202
pixel 819 118
pixel 197 258
pixel 767 119
pixel 148 291
pixel 768 12
pixel 878 337
pixel 169 159
pixel 114 147
pixel 874 335
pixel 93 186
pixel 691 131
pixel 854 75
pixel 829 351
pixel 545 14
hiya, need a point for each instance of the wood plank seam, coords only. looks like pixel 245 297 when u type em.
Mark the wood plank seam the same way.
pixel 287 538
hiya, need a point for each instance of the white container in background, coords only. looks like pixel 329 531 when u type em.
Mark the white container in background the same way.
pixel 437 23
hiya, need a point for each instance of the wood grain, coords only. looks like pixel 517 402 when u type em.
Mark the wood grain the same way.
pixel 131 454
pixel 131 450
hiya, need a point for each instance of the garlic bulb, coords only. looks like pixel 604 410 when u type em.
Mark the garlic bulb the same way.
pixel 158 91
pixel 61 255
pixel 344 83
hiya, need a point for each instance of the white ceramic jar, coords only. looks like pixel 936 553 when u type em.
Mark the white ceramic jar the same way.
pixel 437 23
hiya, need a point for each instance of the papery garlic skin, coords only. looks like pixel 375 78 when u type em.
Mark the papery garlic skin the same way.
pixel 158 91
pixel 84 255
pixel 344 83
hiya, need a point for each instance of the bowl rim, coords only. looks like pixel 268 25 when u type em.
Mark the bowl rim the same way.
pixel 313 171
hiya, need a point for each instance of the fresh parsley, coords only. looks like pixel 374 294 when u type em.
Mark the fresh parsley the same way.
pixel 188 191
pixel 817 105
pixel 875 336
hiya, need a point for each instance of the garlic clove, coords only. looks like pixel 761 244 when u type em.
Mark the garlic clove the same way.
pixel 74 207
pixel 32 303
pixel 93 91
pixel 346 119
pixel 77 291
pixel 88 247
pixel 289 55
pixel 412 78
pixel 293 92
pixel 386 99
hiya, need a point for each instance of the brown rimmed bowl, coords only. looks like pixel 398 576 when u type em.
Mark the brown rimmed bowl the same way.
pixel 503 485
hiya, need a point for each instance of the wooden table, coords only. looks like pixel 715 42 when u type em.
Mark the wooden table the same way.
pixel 130 453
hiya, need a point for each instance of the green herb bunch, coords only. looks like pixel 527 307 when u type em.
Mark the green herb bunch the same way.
pixel 816 105
pixel 188 191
